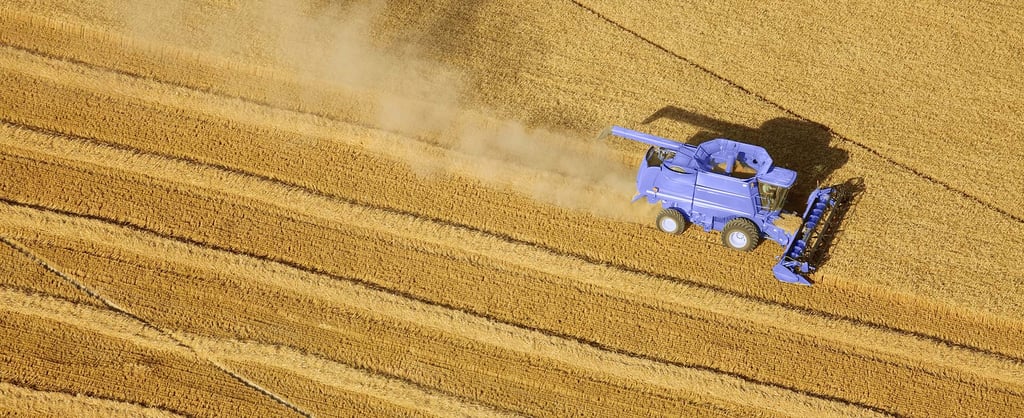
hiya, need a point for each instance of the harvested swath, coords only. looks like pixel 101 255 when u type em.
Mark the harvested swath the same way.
pixel 21 401
pixel 21 272
pixel 912 83
pixel 588 193
pixel 394 185
pixel 100 44
pixel 50 345
pixel 662 338
pixel 431 346
pixel 423 119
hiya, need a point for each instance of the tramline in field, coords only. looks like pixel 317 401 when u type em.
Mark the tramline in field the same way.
pixel 735 188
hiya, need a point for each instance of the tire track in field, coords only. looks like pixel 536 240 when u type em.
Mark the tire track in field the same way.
pixel 778 106
pixel 355 121
pixel 406 396
pixel 381 374
pixel 44 352
pixel 18 271
pixel 115 325
pixel 29 400
pixel 116 159
pixel 386 305
pixel 116 308
pixel 68 279
pixel 848 316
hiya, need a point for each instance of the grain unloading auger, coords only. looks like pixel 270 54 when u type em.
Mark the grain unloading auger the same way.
pixel 733 187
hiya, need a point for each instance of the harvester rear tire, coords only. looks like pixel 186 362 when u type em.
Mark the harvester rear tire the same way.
pixel 740 234
pixel 670 221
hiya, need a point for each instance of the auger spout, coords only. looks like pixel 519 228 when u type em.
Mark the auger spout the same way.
pixel 646 138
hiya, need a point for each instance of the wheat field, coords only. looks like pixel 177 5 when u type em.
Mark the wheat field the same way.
pixel 334 208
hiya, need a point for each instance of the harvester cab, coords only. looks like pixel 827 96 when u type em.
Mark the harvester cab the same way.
pixel 732 187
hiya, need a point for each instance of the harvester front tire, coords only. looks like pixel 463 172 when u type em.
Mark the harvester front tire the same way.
pixel 670 221
pixel 740 234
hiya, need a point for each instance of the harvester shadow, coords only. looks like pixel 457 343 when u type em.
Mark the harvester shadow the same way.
pixel 795 144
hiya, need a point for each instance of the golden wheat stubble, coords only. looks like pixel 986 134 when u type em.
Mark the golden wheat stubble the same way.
pixel 214 303
pixel 851 295
pixel 851 292
pixel 416 230
pixel 98 248
pixel 723 344
pixel 23 401
pixel 451 197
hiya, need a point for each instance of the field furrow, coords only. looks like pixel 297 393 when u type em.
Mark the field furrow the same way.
pixel 592 311
pixel 208 132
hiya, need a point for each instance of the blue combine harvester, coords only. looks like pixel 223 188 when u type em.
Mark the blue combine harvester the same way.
pixel 732 187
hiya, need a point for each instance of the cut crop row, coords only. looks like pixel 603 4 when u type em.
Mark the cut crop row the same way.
pixel 331 162
pixel 511 291
pixel 451 352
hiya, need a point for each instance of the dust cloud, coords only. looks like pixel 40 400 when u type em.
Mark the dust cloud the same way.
pixel 415 96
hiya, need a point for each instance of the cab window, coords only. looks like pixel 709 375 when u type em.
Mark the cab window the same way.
pixel 772 196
